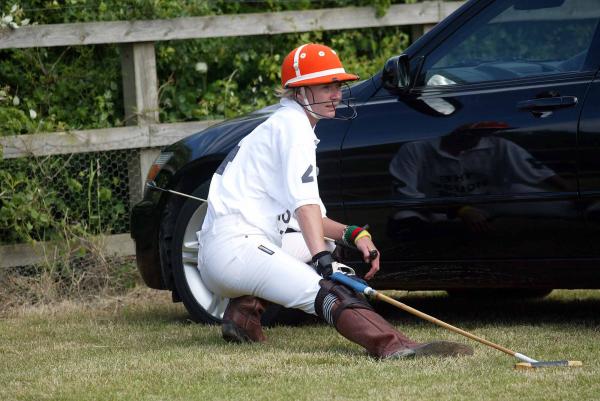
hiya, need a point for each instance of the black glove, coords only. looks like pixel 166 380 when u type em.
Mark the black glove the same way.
pixel 322 263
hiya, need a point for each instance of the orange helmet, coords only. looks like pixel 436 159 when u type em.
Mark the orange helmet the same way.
pixel 313 64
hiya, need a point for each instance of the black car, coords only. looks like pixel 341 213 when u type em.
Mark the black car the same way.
pixel 474 158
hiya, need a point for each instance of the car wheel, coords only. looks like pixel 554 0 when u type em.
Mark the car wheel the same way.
pixel 505 294
pixel 202 304
pixel 182 255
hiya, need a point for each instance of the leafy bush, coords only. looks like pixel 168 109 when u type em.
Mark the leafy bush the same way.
pixel 57 89
pixel 42 196
pixel 80 87
pixel 70 199
pixel 65 201
pixel 61 88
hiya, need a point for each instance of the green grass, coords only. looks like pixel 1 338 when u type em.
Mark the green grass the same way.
pixel 142 347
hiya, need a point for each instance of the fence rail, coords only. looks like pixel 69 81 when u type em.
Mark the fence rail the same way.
pixel 417 15
pixel 428 12
pixel 96 140
pixel 30 254
pixel 140 83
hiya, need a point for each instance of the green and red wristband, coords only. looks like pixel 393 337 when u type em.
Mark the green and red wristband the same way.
pixel 353 233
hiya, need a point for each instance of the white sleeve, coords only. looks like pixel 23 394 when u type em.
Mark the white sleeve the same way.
pixel 405 168
pixel 524 168
pixel 300 172
pixel 297 150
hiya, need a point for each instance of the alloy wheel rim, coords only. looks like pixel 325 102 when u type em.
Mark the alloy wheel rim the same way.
pixel 213 304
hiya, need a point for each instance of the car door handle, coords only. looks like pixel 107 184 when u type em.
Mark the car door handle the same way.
pixel 547 103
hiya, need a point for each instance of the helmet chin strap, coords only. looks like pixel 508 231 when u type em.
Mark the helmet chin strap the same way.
pixel 307 105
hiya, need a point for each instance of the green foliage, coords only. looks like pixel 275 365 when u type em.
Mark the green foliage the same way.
pixel 68 201
pixel 68 11
pixel 23 211
pixel 58 198
pixel 60 89
pixel 13 18
pixel 72 199
pixel 80 87
pixel 242 75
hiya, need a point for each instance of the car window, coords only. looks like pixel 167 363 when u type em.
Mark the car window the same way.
pixel 514 39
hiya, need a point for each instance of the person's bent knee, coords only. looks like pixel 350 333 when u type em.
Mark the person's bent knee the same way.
pixel 333 298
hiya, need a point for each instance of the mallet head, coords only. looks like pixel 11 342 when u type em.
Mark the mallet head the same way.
pixel 546 364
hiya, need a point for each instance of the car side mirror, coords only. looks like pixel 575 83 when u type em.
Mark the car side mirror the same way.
pixel 395 76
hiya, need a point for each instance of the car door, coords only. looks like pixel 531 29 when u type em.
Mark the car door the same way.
pixel 478 160
pixel 589 144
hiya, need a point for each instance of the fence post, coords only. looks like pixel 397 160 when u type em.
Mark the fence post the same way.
pixel 140 95
pixel 419 30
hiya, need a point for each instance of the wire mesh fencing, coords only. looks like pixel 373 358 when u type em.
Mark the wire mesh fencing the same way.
pixel 92 191
pixel 67 205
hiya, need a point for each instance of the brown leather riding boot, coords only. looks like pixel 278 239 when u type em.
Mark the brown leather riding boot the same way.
pixel 241 320
pixel 355 319
pixel 367 328
pixel 382 340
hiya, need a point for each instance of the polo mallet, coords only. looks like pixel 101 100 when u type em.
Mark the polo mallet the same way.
pixel 152 185
pixel 372 253
pixel 529 363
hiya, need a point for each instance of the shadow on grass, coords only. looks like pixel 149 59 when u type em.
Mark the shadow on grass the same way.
pixel 481 310
pixel 155 313
pixel 478 311
pixel 562 307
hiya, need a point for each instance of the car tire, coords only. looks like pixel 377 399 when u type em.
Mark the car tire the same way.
pixel 182 253
pixel 180 248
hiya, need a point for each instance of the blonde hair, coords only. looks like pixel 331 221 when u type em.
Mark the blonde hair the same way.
pixel 285 93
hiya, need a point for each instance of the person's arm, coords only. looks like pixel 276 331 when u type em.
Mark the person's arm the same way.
pixel 365 245
pixel 404 169
pixel 310 221
pixel 311 225
pixel 333 229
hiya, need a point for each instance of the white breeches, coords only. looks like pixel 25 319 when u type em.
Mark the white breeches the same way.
pixel 233 264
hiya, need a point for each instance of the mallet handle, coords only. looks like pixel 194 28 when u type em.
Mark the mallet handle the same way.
pixel 152 185
pixel 368 291
pixel 443 324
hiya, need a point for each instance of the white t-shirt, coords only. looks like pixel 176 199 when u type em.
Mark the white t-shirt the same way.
pixel 268 175
pixel 494 165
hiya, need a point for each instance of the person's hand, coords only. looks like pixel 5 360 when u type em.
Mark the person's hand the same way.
pixel 322 263
pixel 366 247
pixel 475 219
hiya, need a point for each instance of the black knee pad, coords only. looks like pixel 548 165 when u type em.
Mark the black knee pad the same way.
pixel 333 298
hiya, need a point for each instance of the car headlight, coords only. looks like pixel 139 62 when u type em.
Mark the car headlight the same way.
pixel 158 164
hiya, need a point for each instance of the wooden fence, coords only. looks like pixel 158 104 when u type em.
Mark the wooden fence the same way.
pixel 140 82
